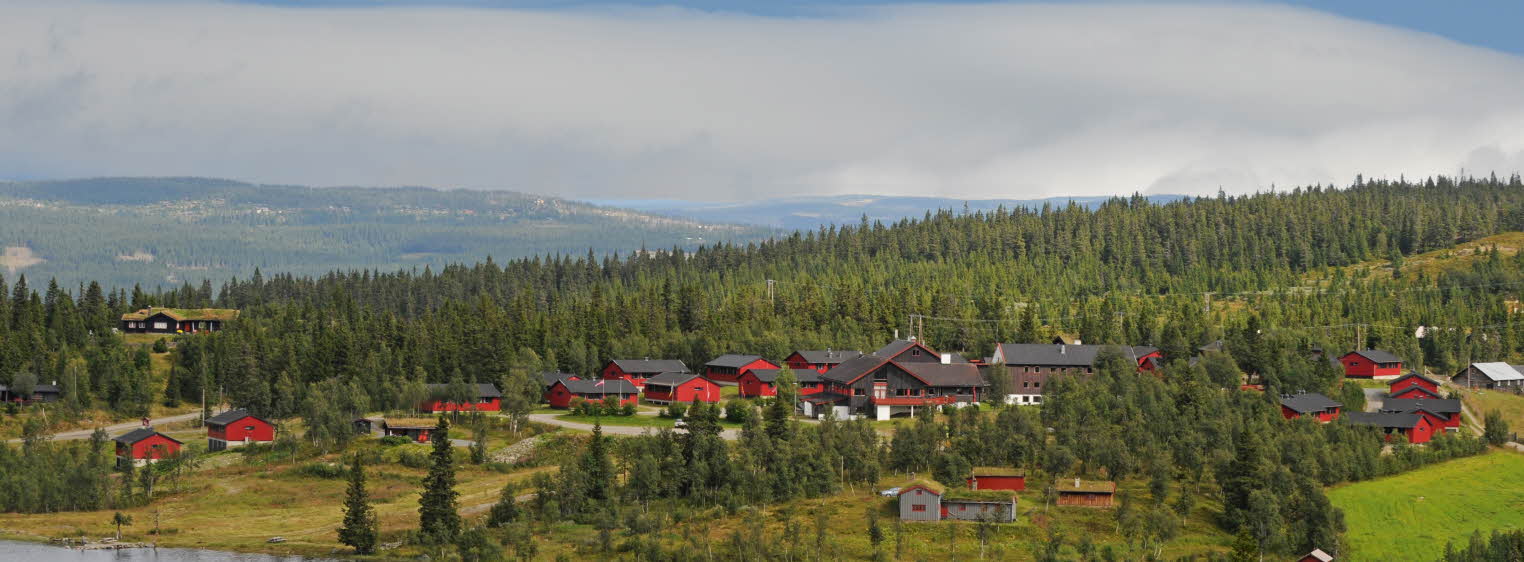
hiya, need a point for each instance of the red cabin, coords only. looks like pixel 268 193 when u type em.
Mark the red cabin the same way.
pixel 1371 363
pixel 818 361
pixel 487 399
pixel 144 445
pixel 1443 414
pixel 638 370
pixel 730 367
pixel 1320 407
pixel 997 478
pixel 236 428
pixel 563 392
pixel 681 387
pixel 550 380
pixel 1417 428
pixel 764 382
pixel 1413 380
pixel 417 429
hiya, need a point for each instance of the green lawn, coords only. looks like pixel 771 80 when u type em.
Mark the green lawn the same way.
pixel 1412 515
pixel 638 421
pixel 1509 404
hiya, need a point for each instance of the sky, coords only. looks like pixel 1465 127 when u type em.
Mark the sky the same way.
pixel 742 99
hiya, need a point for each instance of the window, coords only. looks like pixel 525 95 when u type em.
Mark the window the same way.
pixel 160 325
pixel 916 352
pixel 962 508
pixel 917 507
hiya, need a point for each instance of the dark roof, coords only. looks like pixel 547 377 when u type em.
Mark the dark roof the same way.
pixel 610 386
pixel 1419 389
pixel 852 369
pixel 732 360
pixel 938 374
pixel 47 389
pixel 671 379
pixel 828 356
pixel 1060 355
pixel 1383 419
pixel 1430 405
pixel 1377 356
pixel 1413 375
pixel 650 366
pixel 550 378
pixel 231 416
pixel 1308 402
pixel 800 375
pixel 1214 346
pixel 483 390
pixel 897 347
pixel 140 434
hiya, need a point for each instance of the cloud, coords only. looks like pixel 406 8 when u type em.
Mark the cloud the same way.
pixel 962 101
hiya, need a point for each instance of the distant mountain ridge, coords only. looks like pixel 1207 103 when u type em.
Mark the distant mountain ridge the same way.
pixel 808 213
pixel 165 231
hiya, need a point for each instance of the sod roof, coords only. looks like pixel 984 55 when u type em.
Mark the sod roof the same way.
pixel 998 471
pixel 959 494
pixel 929 485
pixel 192 314
pixel 1086 487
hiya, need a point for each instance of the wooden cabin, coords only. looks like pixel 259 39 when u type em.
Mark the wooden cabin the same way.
pixel 236 428
pixel 1080 493
pixel 176 320
pixel 144 445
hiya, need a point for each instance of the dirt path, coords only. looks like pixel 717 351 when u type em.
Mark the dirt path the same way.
pixel 118 428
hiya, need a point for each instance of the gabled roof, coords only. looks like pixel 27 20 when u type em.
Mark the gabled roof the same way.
pixel 1212 347
pixel 650 366
pixel 938 374
pixel 897 347
pixel 231 416
pixel 671 379
pixel 182 314
pixel 1498 371
pixel 1420 390
pixel 1376 356
pixel 551 377
pixel 47 389
pixel 998 471
pixel 1319 555
pixel 927 485
pixel 1308 402
pixel 771 375
pixel 410 423
pixel 1384 419
pixel 852 369
pixel 1430 405
pixel 733 360
pixel 483 389
pixel 1412 375
pixel 140 434
pixel 610 386
pixel 827 357
pixel 1063 355
pixel 1082 486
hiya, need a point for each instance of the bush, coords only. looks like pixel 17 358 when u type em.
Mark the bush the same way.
pixel 413 459
pixel 394 440
pixel 675 410
pixel 325 470
pixel 738 411
pixel 628 409
pixel 161 346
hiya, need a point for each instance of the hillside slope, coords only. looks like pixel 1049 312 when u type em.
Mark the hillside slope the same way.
pixel 808 213
pixel 154 231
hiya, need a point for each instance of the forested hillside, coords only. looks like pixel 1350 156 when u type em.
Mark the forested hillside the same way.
pixel 1264 273
pixel 164 231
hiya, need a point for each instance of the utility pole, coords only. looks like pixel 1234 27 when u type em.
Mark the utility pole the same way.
pixel 770 299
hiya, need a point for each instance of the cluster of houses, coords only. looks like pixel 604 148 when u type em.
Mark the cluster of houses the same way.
pixel 990 496
pixel 892 381
pixel 1413 409
pixel 233 428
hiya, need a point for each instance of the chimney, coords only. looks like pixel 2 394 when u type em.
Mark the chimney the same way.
pixel 1061 349
pixel 1078 342
pixel 946 358
pixel 1076 482
pixel 896 333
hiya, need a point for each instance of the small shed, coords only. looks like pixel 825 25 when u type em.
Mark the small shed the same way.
pixel 236 428
pixel 144 445
pixel 417 429
pixel 1078 492
pixel 921 501
pixel 997 478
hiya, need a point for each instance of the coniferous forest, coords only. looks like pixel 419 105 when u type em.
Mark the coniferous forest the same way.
pixel 1272 276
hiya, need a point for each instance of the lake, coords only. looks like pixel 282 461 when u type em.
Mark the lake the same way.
pixel 37 552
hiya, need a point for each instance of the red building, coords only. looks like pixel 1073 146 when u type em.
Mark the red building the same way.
pixel 144 445
pixel 487 398
pixel 1412 380
pixel 1417 428
pixel 550 379
pixel 1443 414
pixel 1414 392
pixel 1030 366
pixel 819 361
pixel 997 478
pixel 638 370
pixel 893 381
pixel 236 428
pixel 681 387
pixel 730 367
pixel 1320 407
pixel 1370 363
pixel 563 392
pixel 417 429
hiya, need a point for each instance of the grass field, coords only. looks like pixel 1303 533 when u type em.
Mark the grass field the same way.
pixel 1412 515
pixel 1510 405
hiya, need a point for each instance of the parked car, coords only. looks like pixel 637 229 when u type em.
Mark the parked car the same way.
pixel 679 423
pixel 892 492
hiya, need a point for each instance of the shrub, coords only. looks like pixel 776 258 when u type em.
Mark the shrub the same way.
pixel 675 410
pixel 628 409
pixel 394 440
pixel 413 459
pixel 161 346
pixel 738 411
pixel 329 471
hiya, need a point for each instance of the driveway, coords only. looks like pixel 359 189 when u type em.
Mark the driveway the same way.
pixel 552 419
pixel 119 428
pixel 1374 398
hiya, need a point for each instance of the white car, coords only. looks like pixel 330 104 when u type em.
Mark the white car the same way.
pixel 679 423
pixel 892 492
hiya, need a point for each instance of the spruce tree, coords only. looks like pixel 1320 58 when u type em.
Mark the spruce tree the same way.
pixel 359 530
pixel 506 510
pixel 438 520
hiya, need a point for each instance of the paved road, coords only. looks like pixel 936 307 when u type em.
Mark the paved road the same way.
pixel 119 428
pixel 552 419
pixel 1373 398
